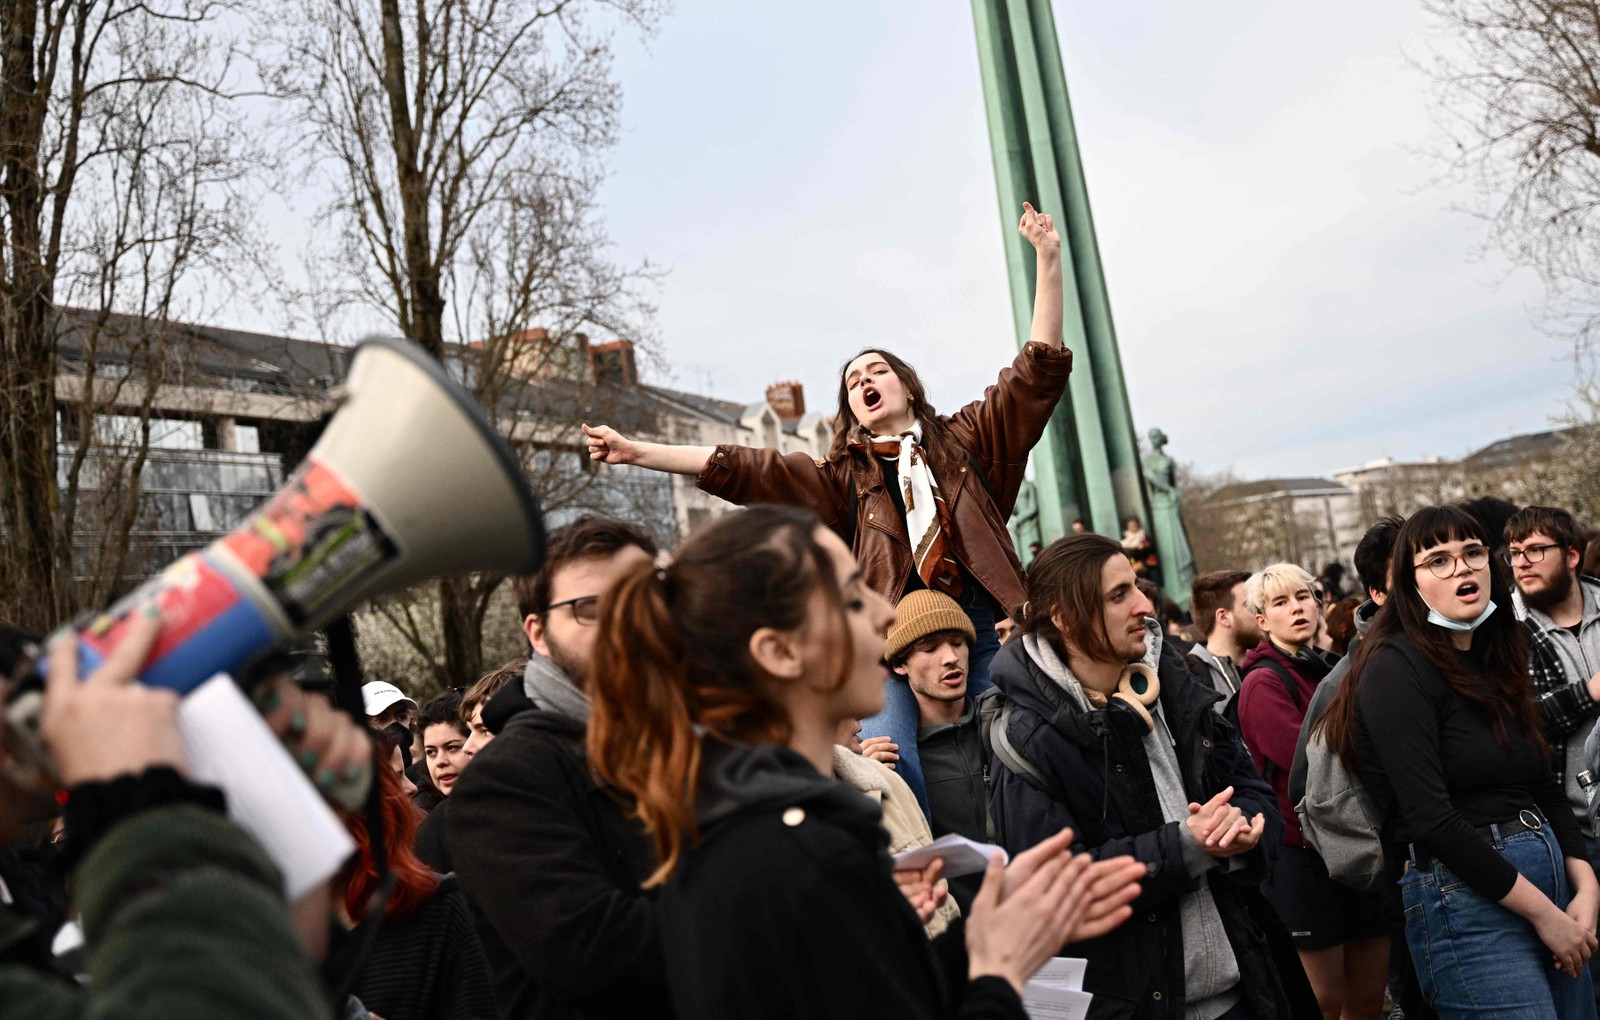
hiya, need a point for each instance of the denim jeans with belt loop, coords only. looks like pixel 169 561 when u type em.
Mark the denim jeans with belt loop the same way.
pixel 1478 959
pixel 901 718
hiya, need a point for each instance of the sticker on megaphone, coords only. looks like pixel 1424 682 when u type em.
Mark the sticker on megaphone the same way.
pixel 311 543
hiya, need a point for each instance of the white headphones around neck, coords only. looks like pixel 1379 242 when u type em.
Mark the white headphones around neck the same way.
pixel 1137 687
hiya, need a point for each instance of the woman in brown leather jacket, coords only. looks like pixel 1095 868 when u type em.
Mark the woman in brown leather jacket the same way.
pixel 922 498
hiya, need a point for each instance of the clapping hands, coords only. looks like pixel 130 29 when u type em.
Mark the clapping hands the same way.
pixel 1222 828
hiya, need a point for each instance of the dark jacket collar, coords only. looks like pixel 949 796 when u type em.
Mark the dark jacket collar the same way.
pixel 737 780
pixel 1310 663
pixel 511 700
pixel 1026 684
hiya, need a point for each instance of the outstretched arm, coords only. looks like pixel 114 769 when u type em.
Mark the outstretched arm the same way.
pixel 1040 231
pixel 611 447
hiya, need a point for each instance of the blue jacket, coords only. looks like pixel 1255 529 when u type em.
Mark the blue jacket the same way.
pixel 1097 759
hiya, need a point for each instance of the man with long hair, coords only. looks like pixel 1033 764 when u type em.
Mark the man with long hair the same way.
pixel 1116 739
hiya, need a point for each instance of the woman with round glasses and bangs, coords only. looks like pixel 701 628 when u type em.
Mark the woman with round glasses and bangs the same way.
pixel 1438 720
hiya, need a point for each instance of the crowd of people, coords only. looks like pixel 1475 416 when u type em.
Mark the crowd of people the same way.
pixel 689 796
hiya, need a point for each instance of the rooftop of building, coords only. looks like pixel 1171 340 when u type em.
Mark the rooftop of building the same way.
pixel 1277 487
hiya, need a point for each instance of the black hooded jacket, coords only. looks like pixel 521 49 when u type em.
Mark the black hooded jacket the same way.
pixel 786 908
pixel 1098 760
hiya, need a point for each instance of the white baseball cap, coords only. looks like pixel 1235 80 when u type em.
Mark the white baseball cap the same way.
pixel 378 696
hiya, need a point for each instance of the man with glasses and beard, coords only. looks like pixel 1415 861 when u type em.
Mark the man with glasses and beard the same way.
pixel 1544 548
pixel 553 864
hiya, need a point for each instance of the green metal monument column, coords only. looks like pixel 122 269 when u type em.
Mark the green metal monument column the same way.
pixel 1087 465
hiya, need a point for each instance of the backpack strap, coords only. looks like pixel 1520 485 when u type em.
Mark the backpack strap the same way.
pixel 1289 685
pixel 1008 754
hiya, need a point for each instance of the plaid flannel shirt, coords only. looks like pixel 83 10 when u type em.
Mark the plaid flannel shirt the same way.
pixel 1564 702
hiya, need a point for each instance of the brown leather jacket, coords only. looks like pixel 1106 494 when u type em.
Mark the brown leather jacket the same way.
pixel 997 431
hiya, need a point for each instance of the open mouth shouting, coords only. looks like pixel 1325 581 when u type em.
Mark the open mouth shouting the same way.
pixel 871 397
pixel 1468 591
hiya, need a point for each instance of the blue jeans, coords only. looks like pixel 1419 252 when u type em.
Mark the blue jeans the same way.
pixel 901 718
pixel 1476 958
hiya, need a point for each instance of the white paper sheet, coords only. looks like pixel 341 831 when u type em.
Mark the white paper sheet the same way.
pixel 1065 971
pixel 229 746
pixel 961 856
pixel 1043 1002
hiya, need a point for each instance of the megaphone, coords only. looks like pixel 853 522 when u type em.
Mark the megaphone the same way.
pixel 409 480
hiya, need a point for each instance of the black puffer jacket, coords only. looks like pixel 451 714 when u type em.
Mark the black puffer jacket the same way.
pixel 1097 759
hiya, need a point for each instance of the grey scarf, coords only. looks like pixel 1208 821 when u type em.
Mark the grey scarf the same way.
pixel 551 690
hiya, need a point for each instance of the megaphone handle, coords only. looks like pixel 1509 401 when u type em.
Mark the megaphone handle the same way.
pixel 345 661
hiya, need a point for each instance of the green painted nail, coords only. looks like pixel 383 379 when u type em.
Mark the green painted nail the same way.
pixel 352 773
pixel 297 723
pixel 308 760
pixel 325 779
pixel 270 700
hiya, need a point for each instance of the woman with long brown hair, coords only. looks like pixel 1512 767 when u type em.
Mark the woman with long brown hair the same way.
pixel 1438 720
pixel 719 685
pixel 921 498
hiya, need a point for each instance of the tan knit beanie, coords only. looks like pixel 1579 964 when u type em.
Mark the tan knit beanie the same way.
pixel 925 612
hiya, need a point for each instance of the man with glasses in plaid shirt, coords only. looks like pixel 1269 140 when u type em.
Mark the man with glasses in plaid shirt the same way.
pixel 1544 548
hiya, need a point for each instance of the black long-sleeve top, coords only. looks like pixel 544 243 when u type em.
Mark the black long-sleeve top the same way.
pixel 1429 758
pixel 428 965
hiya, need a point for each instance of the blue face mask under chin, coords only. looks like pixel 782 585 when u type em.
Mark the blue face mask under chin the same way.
pixel 1465 627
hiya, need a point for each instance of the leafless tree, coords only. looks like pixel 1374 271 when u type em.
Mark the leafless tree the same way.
pixel 120 175
pixel 1519 88
pixel 1572 477
pixel 463 140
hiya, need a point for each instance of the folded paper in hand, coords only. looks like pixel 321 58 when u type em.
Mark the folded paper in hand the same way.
pixel 961 856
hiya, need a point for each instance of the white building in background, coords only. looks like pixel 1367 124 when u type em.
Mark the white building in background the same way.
pixel 1309 521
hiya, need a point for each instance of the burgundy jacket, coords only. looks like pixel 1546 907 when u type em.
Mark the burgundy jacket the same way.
pixel 1269 722
pixel 997 431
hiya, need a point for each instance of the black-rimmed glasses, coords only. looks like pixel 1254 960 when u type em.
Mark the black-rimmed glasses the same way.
pixel 585 610
pixel 1531 553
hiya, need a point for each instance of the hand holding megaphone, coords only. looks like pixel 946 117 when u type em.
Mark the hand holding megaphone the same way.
pixel 409 480
pixel 108 726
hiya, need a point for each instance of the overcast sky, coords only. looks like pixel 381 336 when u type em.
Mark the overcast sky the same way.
pixel 1291 293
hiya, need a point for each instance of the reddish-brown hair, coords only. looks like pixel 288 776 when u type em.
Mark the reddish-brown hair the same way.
pixel 1342 623
pixel 414 884
pixel 672 660
pixel 944 453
